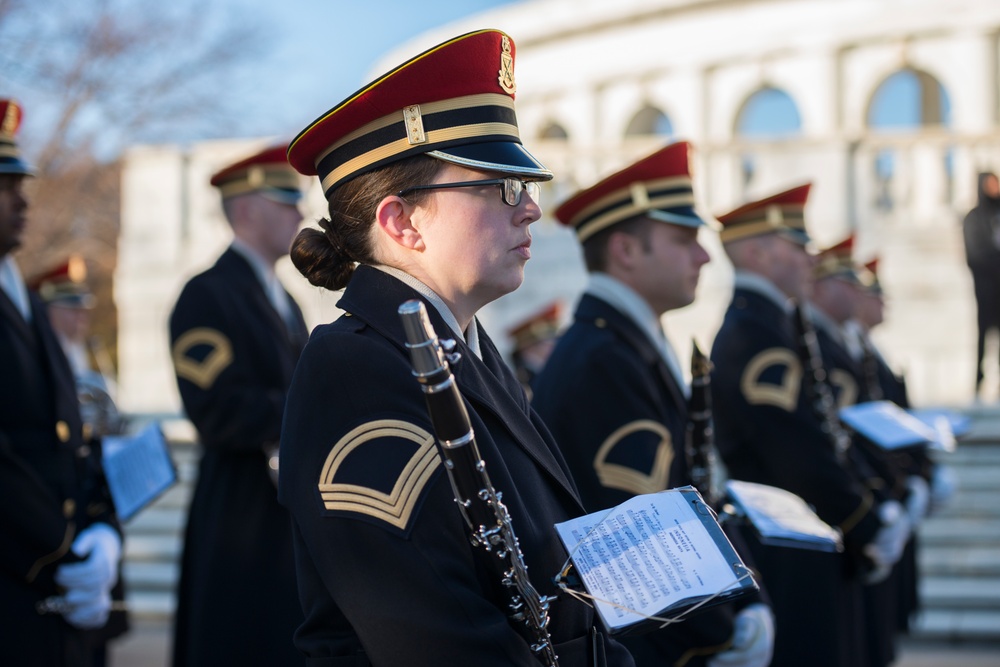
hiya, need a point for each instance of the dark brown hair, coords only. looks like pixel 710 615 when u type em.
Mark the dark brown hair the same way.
pixel 595 249
pixel 327 258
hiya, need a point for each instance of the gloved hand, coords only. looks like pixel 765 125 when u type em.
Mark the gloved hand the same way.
pixel 753 639
pixel 887 546
pixel 102 548
pixel 88 607
pixel 943 485
pixel 917 500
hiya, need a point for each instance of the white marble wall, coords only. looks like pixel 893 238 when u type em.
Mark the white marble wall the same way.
pixel 590 65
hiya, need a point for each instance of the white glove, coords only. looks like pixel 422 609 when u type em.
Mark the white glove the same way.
pixel 753 639
pixel 102 547
pixel 88 607
pixel 943 486
pixel 918 500
pixel 889 542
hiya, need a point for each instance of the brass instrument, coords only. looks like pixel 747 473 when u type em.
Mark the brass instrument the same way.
pixel 480 504
pixel 817 385
pixel 97 407
pixel 700 445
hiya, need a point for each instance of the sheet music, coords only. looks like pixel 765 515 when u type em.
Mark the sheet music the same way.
pixel 887 425
pixel 782 518
pixel 650 554
pixel 138 469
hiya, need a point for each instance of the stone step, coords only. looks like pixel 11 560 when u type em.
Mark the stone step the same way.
pixel 961 532
pixel 965 625
pixel 976 477
pixel 156 520
pixel 961 593
pixel 153 548
pixel 151 605
pixel 967 562
pixel 971 503
pixel 970 455
pixel 151 576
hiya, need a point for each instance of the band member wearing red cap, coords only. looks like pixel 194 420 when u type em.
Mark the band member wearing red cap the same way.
pixel 236 336
pixel 532 342
pixel 61 539
pixel 431 197
pixel 613 393
pixel 769 431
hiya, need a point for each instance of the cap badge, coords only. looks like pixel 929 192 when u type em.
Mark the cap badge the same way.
pixel 774 216
pixel 255 177
pixel 640 196
pixel 414 125
pixel 9 124
pixel 506 78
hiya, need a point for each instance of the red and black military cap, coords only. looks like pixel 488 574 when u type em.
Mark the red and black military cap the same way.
pixel 870 276
pixel 267 173
pixel 837 261
pixel 783 213
pixel 65 284
pixel 454 102
pixel 10 154
pixel 537 327
pixel 657 186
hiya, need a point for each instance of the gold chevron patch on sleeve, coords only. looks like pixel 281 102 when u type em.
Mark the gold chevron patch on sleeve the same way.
pixel 758 391
pixel 396 506
pixel 844 386
pixel 624 478
pixel 202 373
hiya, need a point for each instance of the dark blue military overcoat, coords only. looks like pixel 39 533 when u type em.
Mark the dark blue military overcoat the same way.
pixel 234 357
pixel 385 564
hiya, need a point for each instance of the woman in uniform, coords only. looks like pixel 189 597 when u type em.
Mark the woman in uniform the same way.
pixel 431 197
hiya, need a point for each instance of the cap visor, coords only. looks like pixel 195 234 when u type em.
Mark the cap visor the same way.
pixel 15 166
pixel 290 197
pixel 505 157
pixel 675 219
pixel 794 235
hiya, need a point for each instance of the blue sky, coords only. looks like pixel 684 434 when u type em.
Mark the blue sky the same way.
pixel 324 50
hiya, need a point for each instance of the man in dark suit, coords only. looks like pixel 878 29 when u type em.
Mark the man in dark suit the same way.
pixel 61 539
pixel 236 337
pixel 769 431
pixel 613 392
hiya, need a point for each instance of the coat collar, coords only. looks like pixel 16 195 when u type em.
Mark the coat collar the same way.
pixel 488 383
pixel 592 309
pixel 246 279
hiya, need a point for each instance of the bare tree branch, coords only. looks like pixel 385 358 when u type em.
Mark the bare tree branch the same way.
pixel 95 76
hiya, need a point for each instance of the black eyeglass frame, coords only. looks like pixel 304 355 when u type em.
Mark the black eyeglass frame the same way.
pixel 509 193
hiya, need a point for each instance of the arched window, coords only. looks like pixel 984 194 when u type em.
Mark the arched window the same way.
pixel 553 131
pixel 906 100
pixel 649 121
pixel 769 113
pixel 909 98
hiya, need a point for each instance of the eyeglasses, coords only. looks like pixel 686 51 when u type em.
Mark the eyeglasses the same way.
pixel 510 188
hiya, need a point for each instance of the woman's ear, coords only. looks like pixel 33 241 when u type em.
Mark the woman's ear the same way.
pixel 393 217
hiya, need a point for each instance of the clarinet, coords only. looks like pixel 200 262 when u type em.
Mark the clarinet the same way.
pixel 700 445
pixel 869 366
pixel 816 386
pixel 480 504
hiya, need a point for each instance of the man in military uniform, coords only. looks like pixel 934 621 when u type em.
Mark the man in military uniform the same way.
pixel 840 287
pixel 236 336
pixel 61 540
pixel 613 393
pixel 69 303
pixel 533 341
pixel 769 431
